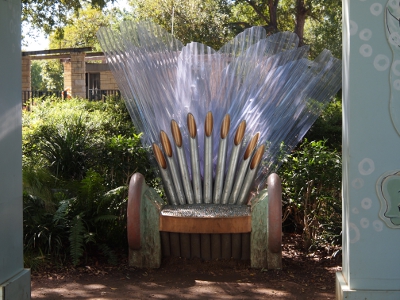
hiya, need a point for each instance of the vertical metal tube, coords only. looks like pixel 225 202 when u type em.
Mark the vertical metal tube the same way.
pixel 208 158
pixel 165 175
pixel 165 245
pixel 175 244
pixel 216 246
pixel 180 153
pixel 172 167
pixel 226 245
pixel 223 146
pixel 251 173
pixel 205 240
pixel 195 245
pixel 237 245
pixel 230 174
pixel 246 246
pixel 243 169
pixel 184 239
pixel 194 159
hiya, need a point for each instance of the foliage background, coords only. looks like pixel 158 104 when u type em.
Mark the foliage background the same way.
pixel 77 159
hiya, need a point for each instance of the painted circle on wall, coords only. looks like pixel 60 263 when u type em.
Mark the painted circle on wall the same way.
pixel 365 34
pixel 378 225
pixel 381 62
pixel 366 166
pixel 376 9
pixel 366 50
pixel 366 203
pixel 354 233
pixel 364 223
pixel 357 183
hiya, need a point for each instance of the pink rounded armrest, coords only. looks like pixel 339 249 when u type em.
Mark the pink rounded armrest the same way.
pixel 274 213
pixel 133 210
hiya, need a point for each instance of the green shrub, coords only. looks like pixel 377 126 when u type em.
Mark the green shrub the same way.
pixel 77 159
pixel 311 186
pixel 328 126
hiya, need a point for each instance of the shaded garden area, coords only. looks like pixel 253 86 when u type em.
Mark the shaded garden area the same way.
pixel 305 275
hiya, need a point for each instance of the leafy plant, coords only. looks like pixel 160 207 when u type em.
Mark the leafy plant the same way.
pixel 311 182
pixel 76 239
pixel 77 160
pixel 328 126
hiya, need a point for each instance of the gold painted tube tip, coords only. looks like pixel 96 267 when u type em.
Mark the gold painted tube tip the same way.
pixel 159 156
pixel 240 132
pixel 257 157
pixel 252 144
pixel 176 133
pixel 208 124
pixel 166 143
pixel 191 123
pixel 226 122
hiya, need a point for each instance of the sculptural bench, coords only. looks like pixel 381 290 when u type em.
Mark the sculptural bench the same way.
pixel 207 231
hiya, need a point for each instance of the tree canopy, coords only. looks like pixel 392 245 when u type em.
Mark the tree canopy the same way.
pixel 47 75
pixel 203 21
pixel 317 23
pixel 212 22
pixel 81 32
pixel 48 15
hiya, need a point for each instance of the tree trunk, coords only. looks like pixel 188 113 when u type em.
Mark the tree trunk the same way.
pixel 273 20
pixel 301 15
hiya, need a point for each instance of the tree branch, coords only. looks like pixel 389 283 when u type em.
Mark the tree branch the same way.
pixel 258 12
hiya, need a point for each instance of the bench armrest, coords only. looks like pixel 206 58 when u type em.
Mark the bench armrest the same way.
pixel 137 186
pixel 274 213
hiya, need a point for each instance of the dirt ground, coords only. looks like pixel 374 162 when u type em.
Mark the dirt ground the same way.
pixel 304 276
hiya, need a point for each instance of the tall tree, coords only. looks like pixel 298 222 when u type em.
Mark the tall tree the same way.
pixel 201 21
pixel 36 76
pixel 81 30
pixel 315 22
pixel 47 15
pixel 47 75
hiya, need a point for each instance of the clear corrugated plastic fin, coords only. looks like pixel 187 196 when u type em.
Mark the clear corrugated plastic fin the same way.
pixel 266 81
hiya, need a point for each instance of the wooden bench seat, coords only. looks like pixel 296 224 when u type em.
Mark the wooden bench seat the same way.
pixel 205 218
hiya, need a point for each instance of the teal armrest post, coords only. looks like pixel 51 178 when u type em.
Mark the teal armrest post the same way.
pixel 266 226
pixel 144 206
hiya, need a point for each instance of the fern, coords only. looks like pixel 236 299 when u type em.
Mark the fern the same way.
pixel 106 218
pixel 90 237
pixel 76 238
pixel 108 199
pixel 61 211
pixel 107 252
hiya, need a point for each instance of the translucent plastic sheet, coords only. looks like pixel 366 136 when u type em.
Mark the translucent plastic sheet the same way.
pixel 266 81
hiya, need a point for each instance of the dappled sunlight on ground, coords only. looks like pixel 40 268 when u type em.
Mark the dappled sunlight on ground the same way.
pixel 304 276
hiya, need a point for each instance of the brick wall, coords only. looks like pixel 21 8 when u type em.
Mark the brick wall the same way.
pixel 107 81
pixel 74 75
pixel 26 73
